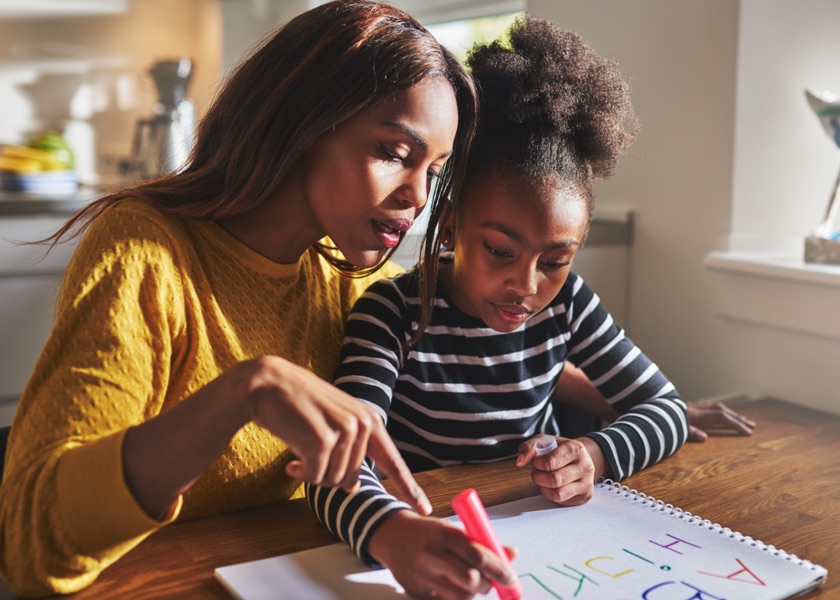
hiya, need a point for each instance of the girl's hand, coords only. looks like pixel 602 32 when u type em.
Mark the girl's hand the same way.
pixel 433 558
pixel 566 475
pixel 328 430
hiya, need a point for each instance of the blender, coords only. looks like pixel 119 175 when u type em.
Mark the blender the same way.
pixel 163 142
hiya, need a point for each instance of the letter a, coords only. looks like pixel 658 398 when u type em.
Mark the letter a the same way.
pixel 752 578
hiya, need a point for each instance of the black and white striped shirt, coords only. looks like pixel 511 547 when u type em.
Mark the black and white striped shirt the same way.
pixel 468 393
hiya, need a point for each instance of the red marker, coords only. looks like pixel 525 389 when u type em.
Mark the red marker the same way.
pixel 473 515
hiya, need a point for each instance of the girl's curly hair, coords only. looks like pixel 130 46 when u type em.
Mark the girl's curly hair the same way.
pixel 550 106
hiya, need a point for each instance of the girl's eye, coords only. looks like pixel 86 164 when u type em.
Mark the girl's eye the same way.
pixel 552 265
pixel 496 252
pixel 433 175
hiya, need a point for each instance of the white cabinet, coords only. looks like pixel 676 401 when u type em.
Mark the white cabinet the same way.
pixel 29 283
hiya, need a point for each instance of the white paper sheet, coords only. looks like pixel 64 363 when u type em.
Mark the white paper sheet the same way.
pixel 618 546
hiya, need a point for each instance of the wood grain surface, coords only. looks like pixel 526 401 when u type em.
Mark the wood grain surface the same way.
pixel 781 486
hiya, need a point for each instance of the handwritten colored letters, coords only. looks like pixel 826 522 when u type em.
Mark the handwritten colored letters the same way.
pixel 648 561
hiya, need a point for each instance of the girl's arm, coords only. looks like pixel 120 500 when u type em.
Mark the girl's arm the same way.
pixel 354 516
pixel 653 423
pixel 575 389
pixel 424 554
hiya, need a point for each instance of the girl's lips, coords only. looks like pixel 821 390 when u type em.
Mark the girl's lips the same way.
pixel 512 313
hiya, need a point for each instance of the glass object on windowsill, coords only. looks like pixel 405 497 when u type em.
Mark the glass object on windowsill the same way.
pixel 823 246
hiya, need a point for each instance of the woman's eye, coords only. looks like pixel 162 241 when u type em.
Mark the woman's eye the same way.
pixel 432 175
pixel 391 154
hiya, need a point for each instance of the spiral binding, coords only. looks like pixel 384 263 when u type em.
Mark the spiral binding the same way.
pixel 691 519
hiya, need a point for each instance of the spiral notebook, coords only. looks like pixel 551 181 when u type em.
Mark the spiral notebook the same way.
pixel 621 544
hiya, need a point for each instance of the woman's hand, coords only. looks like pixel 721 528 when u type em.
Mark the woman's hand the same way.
pixel 433 558
pixel 329 431
pixel 714 415
pixel 566 475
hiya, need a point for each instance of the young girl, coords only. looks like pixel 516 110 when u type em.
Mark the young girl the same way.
pixel 201 313
pixel 477 385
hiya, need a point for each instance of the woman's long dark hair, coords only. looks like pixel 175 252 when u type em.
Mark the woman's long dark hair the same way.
pixel 321 68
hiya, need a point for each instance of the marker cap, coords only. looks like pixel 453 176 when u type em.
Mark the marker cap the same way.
pixel 545 444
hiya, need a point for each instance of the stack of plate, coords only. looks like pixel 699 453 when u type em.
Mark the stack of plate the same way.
pixel 45 183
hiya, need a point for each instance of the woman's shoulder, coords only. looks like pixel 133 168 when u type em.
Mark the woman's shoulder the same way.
pixel 130 214
pixel 130 232
pixel 133 223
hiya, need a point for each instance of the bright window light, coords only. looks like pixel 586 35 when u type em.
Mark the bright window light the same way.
pixel 459 36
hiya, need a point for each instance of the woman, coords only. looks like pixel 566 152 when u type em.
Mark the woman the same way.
pixel 202 312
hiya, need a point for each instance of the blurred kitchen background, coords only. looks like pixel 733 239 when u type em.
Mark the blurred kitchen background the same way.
pixel 698 241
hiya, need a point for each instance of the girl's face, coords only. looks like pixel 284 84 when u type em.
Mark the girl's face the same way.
pixel 514 246
pixel 368 180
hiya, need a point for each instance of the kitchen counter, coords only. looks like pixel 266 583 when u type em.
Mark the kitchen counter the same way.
pixel 22 203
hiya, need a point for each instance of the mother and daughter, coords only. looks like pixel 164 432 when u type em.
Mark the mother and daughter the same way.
pixel 201 316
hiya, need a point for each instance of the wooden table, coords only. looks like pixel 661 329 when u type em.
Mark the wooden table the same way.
pixel 781 486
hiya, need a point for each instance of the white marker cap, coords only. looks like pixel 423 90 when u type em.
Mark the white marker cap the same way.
pixel 545 444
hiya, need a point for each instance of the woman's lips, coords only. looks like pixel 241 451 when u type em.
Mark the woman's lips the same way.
pixel 391 231
pixel 401 225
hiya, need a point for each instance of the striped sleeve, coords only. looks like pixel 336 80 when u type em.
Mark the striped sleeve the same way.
pixel 372 353
pixel 653 423
pixel 370 360
pixel 354 517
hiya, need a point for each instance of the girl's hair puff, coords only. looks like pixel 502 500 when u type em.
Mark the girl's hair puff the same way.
pixel 550 106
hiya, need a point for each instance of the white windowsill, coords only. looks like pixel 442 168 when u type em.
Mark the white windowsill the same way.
pixel 777 291
pixel 765 264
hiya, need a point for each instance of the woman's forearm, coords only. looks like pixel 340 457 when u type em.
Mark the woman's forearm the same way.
pixel 165 455
pixel 329 431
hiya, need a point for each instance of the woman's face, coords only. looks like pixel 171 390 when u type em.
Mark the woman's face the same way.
pixel 367 181
pixel 514 246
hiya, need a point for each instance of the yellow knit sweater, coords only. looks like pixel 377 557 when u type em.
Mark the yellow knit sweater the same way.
pixel 151 309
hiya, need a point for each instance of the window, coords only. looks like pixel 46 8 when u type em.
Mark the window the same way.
pixel 460 35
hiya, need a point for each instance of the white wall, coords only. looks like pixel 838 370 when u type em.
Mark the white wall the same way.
pixel 785 163
pixel 246 23
pixel 785 166
pixel 680 58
